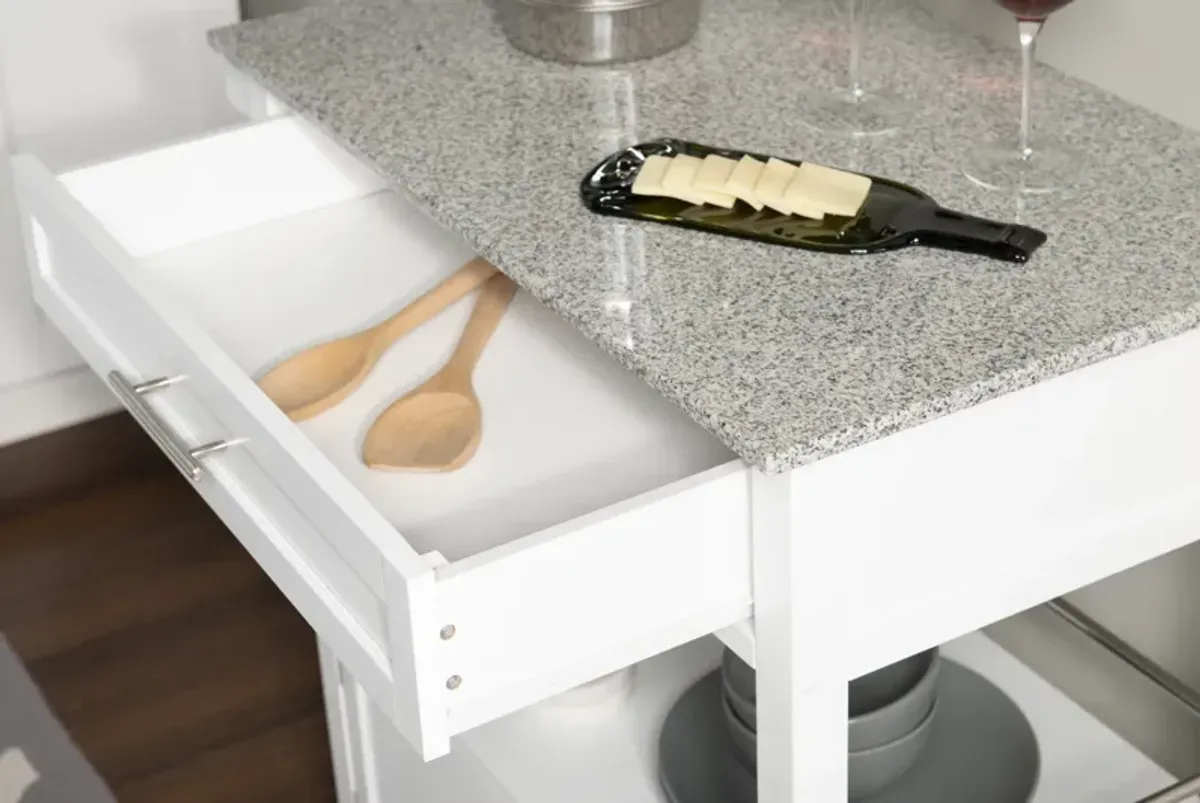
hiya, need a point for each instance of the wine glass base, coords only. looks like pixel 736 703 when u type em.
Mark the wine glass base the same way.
pixel 1000 166
pixel 850 113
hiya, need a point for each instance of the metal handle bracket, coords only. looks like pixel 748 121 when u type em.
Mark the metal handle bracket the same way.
pixel 183 457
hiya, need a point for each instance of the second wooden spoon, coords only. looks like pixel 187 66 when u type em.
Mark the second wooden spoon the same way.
pixel 437 427
pixel 316 379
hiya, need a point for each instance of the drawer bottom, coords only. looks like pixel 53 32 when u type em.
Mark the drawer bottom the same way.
pixel 567 431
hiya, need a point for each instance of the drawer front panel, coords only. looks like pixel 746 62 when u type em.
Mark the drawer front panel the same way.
pixel 101 278
pixel 279 496
pixel 331 596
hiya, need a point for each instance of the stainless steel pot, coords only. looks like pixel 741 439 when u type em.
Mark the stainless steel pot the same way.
pixel 598 31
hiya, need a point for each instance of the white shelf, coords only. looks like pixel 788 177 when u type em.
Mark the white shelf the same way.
pixel 550 753
pixel 1083 761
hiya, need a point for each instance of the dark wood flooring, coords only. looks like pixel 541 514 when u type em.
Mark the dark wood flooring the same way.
pixel 181 671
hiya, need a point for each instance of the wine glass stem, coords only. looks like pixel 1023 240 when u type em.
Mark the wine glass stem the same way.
pixel 1028 31
pixel 857 35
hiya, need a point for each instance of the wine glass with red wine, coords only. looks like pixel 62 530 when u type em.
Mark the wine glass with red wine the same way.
pixel 1025 165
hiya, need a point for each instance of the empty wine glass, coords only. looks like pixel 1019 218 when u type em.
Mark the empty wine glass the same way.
pixel 854 109
pixel 1024 165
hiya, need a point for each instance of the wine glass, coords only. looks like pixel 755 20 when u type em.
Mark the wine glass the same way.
pixel 1020 166
pixel 853 109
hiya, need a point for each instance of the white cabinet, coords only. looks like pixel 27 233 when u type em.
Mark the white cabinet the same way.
pixel 87 80
pixel 597 527
pixel 29 348
pixel 372 763
pixel 80 81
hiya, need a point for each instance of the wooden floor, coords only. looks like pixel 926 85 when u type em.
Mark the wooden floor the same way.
pixel 181 671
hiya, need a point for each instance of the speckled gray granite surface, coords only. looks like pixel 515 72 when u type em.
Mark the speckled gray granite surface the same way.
pixel 787 356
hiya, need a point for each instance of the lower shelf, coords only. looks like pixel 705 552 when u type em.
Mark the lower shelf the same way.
pixel 553 752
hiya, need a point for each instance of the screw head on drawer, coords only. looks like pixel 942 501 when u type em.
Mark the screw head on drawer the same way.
pixel 448 632
pixel 453 682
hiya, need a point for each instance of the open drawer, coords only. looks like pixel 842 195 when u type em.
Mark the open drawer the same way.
pixel 596 526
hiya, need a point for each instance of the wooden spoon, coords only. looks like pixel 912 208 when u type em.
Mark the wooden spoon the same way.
pixel 317 378
pixel 437 427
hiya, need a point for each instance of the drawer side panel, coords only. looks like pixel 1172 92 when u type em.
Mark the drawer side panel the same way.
pixel 597 594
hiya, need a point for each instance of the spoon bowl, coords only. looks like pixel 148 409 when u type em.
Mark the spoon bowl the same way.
pixel 316 379
pixel 319 377
pixel 427 431
pixel 438 426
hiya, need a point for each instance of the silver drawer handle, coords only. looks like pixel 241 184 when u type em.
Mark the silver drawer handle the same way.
pixel 184 458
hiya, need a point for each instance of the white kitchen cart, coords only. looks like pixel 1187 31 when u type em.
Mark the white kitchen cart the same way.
pixel 598 528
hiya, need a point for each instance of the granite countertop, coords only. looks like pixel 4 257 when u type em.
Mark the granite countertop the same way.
pixel 785 355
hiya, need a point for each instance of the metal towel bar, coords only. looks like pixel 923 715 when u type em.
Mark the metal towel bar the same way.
pixel 1177 793
pixel 1150 670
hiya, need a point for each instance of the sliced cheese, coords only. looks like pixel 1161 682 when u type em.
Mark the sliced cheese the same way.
pixel 744 179
pixel 717 198
pixel 799 201
pixel 773 183
pixel 836 192
pixel 710 180
pixel 713 173
pixel 678 181
pixel 650 176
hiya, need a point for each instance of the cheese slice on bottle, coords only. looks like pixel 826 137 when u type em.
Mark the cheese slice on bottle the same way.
pixel 835 192
pixel 678 181
pixel 798 200
pixel 744 179
pixel 649 178
pixel 773 183
pixel 716 198
pixel 710 180
pixel 714 173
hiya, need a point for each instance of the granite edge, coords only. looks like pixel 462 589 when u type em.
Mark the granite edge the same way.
pixel 1033 373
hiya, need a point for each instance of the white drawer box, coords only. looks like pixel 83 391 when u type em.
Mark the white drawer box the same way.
pixel 597 525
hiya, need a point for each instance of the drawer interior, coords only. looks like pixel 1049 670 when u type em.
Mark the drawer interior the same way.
pixel 566 430
pixel 216 258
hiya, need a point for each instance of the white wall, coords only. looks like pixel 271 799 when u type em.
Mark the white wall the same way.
pixel 82 80
pixel 1144 51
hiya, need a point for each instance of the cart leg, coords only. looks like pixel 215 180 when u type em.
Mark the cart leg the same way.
pixel 802 704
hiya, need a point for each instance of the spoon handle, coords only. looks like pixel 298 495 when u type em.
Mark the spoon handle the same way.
pixel 460 283
pixel 489 309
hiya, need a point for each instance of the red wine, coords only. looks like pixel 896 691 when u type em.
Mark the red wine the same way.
pixel 1032 9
